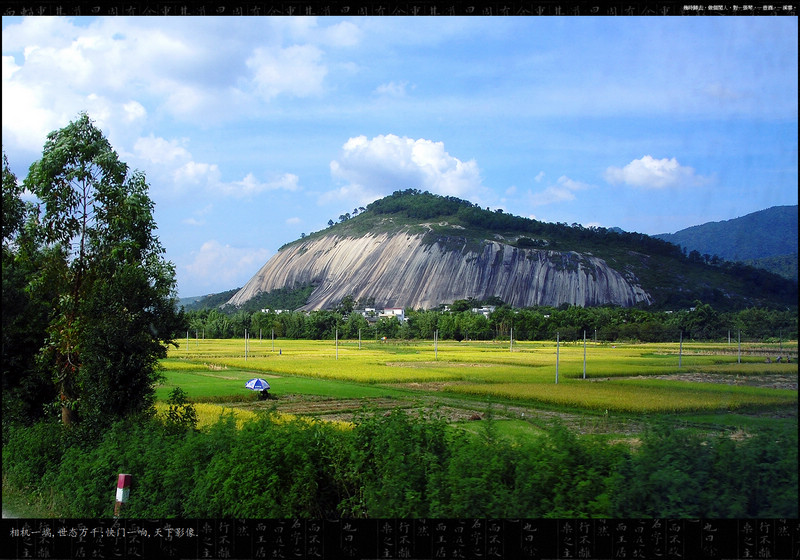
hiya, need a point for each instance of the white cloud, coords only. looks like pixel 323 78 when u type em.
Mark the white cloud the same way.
pixel 159 150
pixel 27 119
pixel 387 163
pixel 198 221
pixel 571 185
pixel 217 265
pixel 132 69
pixel 134 111
pixel 193 173
pixel 293 71
pixel 650 173
pixel 343 34
pixel 392 89
pixel 307 30
pixel 357 194
pixel 171 158
pixel 294 221
pixel 563 191
pixel 539 177
pixel 250 185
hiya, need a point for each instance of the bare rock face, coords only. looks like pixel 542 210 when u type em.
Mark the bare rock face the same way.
pixel 405 270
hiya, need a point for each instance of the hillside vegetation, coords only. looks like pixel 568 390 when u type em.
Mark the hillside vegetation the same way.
pixel 765 239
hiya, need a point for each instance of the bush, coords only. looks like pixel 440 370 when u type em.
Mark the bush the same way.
pixel 401 465
pixel 181 415
pixel 399 459
pixel 272 468
pixel 679 474
pixel 32 454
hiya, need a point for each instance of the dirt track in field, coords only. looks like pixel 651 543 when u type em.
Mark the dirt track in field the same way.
pixel 452 409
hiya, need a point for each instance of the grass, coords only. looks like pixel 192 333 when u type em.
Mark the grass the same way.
pixel 205 385
pixel 514 430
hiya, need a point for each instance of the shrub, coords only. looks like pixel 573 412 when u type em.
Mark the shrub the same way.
pixel 400 458
pixel 32 454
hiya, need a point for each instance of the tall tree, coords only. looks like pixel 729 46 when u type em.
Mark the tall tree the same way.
pixel 26 389
pixel 116 311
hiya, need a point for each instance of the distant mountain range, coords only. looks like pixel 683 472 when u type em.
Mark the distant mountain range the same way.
pixel 765 239
pixel 208 301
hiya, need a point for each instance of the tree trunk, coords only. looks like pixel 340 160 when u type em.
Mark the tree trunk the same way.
pixel 68 416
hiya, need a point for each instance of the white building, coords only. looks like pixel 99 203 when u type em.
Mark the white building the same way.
pixel 397 312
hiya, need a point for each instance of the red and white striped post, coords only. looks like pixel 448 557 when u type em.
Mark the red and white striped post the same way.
pixel 123 491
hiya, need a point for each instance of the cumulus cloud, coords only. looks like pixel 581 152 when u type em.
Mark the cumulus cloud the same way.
pixel 126 71
pixel 650 173
pixel 216 265
pixel 564 190
pixel 379 166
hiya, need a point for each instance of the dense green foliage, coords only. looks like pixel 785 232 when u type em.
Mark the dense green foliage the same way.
pixel 701 322
pixel 88 299
pixel 282 298
pixel 26 309
pixel 677 474
pixel 782 265
pixel 402 465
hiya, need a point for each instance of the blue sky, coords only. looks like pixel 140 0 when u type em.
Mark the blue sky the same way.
pixel 252 131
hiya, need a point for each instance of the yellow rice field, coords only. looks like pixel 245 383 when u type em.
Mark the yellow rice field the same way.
pixel 493 370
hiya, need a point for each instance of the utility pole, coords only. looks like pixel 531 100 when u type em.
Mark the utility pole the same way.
pixel 511 346
pixel 740 347
pixel 680 350
pixel 584 354
pixel 557 344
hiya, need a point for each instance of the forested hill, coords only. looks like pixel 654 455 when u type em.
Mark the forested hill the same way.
pixel 420 211
pixel 767 239
pixel 576 265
